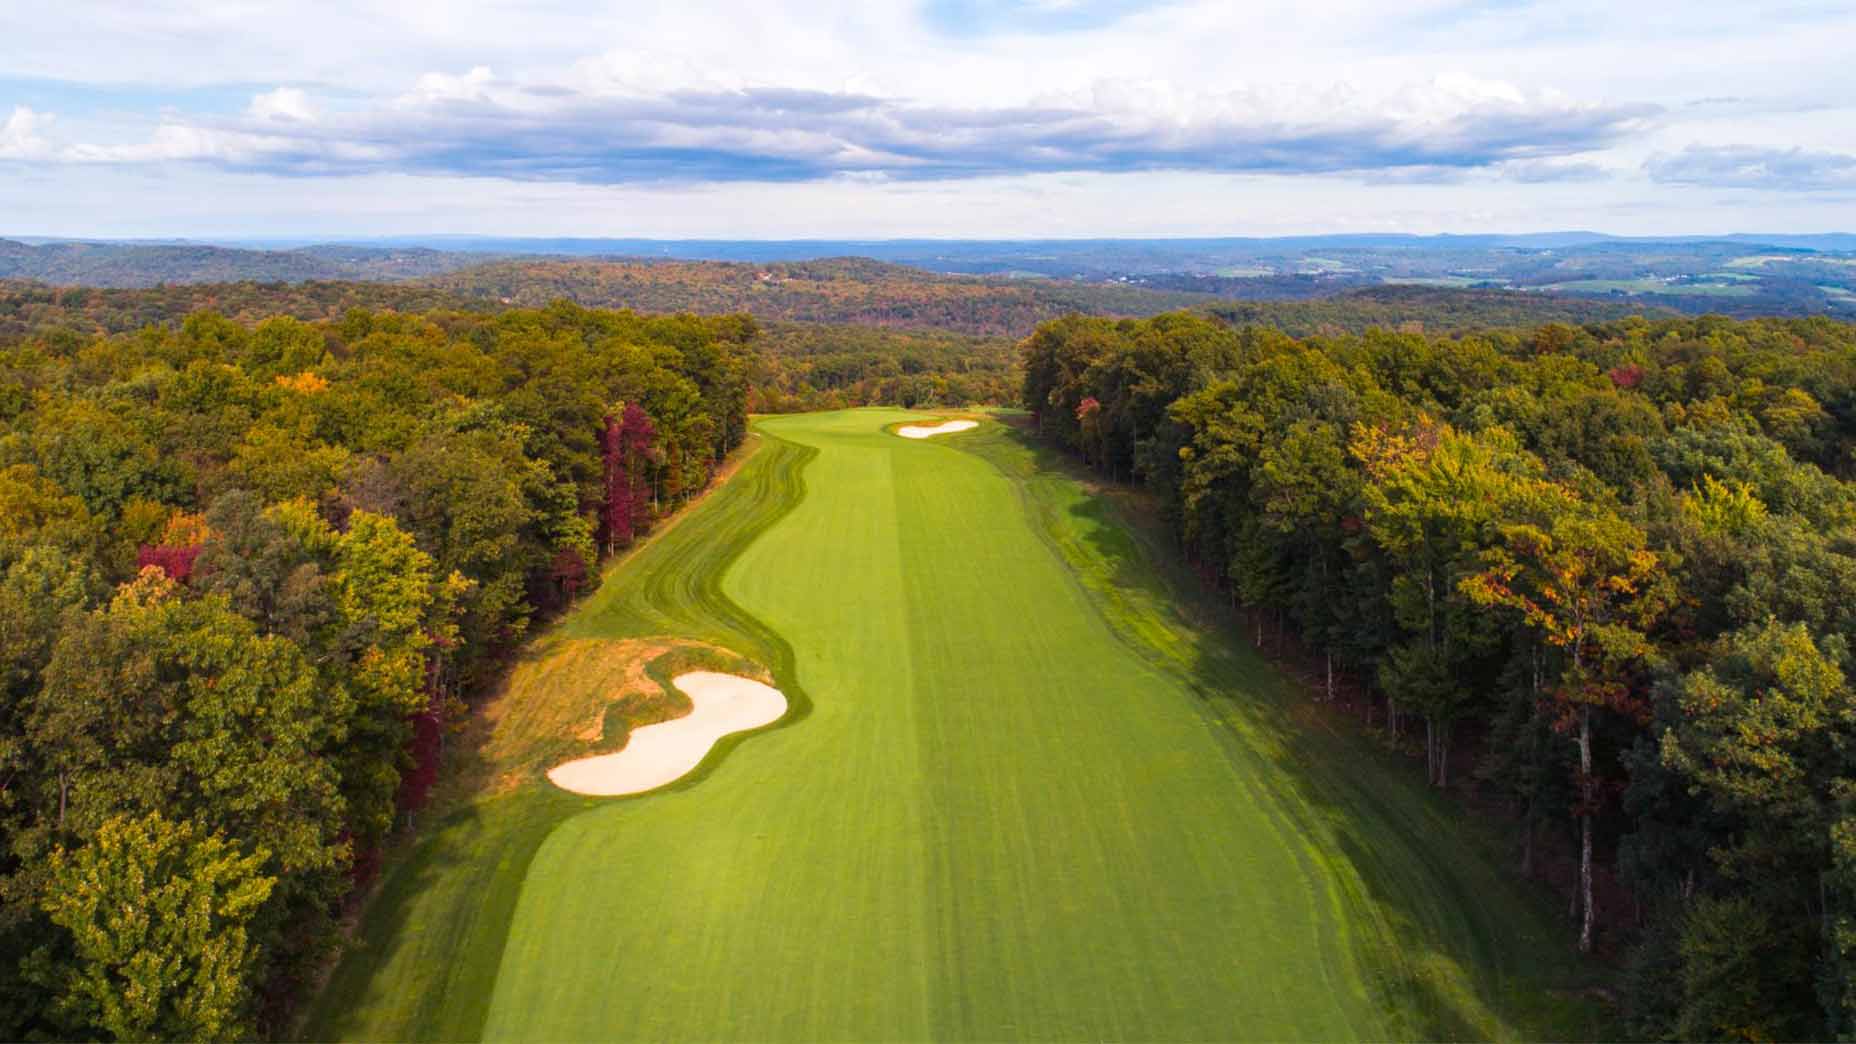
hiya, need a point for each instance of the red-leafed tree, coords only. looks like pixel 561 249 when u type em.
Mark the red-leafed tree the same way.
pixel 616 513
pixel 1089 419
pixel 626 443
pixel 176 562
pixel 425 747
pixel 568 574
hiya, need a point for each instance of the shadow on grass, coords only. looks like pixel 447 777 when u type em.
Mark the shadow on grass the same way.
pixel 1451 945
pixel 428 946
pixel 424 960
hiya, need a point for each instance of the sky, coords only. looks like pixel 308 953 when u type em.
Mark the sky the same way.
pixel 872 119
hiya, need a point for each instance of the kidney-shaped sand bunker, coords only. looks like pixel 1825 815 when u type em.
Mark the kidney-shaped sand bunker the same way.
pixel 922 431
pixel 654 755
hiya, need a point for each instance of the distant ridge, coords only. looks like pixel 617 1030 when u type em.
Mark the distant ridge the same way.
pixel 1745 274
pixel 141 264
pixel 881 249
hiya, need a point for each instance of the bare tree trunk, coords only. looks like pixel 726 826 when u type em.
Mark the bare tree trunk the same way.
pixel 1585 885
pixel 1330 691
pixel 1585 828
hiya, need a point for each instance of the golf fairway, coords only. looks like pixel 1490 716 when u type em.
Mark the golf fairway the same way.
pixel 1020 797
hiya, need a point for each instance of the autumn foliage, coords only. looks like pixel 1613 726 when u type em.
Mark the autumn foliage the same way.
pixel 1603 577
pixel 251 576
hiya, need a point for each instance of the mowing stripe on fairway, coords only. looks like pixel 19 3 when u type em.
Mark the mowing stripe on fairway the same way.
pixel 998 821
pixel 1031 788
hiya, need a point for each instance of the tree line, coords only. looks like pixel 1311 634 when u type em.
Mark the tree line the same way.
pixel 797 366
pixel 1606 574
pixel 816 366
pixel 248 573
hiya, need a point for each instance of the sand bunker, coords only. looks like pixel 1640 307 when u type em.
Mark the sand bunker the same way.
pixel 921 431
pixel 663 753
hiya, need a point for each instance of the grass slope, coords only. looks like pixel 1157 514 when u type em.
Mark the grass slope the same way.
pixel 1032 799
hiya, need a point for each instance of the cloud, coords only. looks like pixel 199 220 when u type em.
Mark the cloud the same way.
pixel 866 117
pixel 20 136
pixel 614 132
pixel 237 149
pixel 1545 171
pixel 1754 166
pixel 285 104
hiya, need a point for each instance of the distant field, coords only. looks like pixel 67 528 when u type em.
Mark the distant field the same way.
pixel 1649 286
pixel 1456 282
pixel 1024 795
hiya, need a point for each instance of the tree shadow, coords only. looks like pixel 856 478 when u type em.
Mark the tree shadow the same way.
pixel 447 905
pixel 1453 945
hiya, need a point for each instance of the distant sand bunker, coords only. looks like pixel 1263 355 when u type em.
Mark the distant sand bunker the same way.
pixel 921 431
pixel 663 753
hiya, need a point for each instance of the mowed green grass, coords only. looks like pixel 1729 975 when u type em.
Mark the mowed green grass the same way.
pixel 1032 788
pixel 999 820
pixel 426 952
pixel 1453 947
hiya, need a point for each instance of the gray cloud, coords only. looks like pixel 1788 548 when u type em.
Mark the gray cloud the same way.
pixel 476 126
pixel 1754 166
pixel 1543 171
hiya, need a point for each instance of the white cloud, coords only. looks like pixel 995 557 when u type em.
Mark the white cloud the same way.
pixel 20 137
pixel 286 104
pixel 440 87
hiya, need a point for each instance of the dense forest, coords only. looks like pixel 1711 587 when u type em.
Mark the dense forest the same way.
pixel 854 290
pixel 28 308
pixel 247 573
pixel 838 297
pixel 1591 276
pixel 814 366
pixel 252 566
pixel 1606 573
pixel 153 264
pixel 1433 309
pixel 840 290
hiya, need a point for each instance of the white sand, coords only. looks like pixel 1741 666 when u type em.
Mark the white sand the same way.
pixel 922 431
pixel 665 752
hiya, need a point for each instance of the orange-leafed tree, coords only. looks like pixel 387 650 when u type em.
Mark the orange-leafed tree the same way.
pixel 1582 578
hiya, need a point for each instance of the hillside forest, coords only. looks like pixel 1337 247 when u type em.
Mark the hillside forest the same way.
pixel 254 568
pixel 910 282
